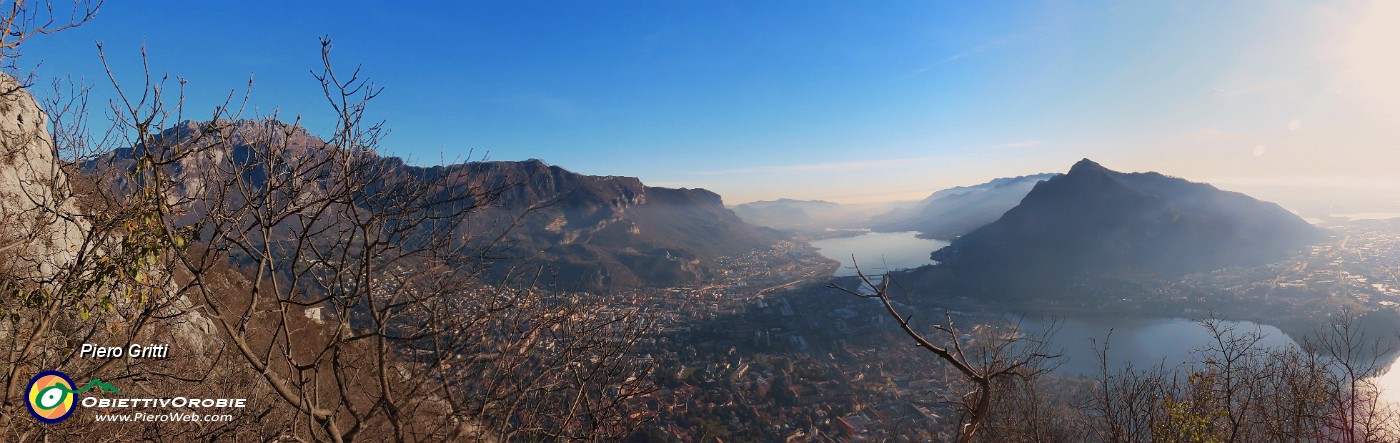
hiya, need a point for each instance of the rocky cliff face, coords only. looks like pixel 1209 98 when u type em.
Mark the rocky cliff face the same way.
pixel 47 242
pixel 40 230
pixel 588 232
pixel 608 232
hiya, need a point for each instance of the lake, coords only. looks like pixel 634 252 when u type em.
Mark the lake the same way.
pixel 1143 341
pixel 1367 216
pixel 1389 382
pixel 1146 341
pixel 878 252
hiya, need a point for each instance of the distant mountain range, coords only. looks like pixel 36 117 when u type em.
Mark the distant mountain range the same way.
pixel 1017 234
pixel 812 216
pixel 945 214
pixel 953 212
pixel 588 232
pixel 1094 221
pixel 786 213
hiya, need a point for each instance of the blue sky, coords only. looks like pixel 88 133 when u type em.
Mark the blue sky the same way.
pixel 845 101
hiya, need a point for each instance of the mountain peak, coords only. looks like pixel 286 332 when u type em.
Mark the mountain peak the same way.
pixel 1086 165
pixel 1099 223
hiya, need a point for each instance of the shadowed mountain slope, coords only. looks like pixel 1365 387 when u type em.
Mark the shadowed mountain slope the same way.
pixel 584 232
pixel 1094 221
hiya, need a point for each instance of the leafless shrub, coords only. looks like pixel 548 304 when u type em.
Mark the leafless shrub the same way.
pixel 1241 390
pixel 336 289
pixel 993 361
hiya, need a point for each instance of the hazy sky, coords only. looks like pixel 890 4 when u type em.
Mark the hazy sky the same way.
pixel 844 101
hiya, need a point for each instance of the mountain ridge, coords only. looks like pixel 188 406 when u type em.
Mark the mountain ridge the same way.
pixel 587 232
pixel 953 212
pixel 1095 221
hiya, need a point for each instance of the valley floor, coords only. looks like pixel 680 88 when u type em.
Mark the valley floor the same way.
pixel 769 353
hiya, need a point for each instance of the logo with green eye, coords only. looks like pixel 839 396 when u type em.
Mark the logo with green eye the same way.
pixel 51 396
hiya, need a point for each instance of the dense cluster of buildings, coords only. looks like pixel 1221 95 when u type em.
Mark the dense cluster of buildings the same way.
pixel 738 360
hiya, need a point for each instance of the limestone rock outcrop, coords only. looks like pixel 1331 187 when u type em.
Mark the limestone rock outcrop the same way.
pixel 44 232
pixel 40 229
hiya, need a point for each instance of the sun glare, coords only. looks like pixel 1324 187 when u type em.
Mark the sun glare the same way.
pixel 1370 53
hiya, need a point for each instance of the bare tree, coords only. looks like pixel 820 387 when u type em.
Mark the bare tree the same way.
pixel 1241 390
pixel 341 290
pixel 350 283
pixel 1352 360
pixel 995 359
pixel 76 266
pixel 1122 405
pixel 25 21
